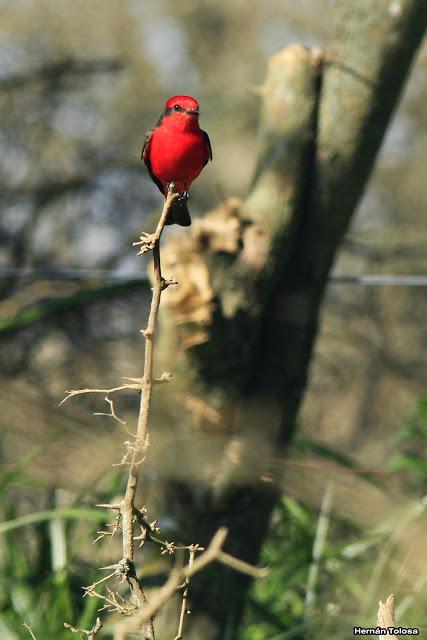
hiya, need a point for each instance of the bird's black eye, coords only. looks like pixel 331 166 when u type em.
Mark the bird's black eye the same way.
pixel 177 107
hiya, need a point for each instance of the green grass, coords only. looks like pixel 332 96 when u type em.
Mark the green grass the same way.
pixel 30 591
pixel 356 567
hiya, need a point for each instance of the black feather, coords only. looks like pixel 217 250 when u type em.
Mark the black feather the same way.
pixel 145 156
pixel 208 142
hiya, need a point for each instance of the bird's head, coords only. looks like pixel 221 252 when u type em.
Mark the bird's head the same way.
pixel 183 106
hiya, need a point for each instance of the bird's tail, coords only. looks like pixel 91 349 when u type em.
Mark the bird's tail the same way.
pixel 178 213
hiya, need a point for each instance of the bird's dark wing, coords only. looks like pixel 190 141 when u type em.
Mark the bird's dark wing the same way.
pixel 145 156
pixel 209 148
pixel 146 148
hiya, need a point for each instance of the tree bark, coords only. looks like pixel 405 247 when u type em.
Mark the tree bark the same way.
pixel 252 275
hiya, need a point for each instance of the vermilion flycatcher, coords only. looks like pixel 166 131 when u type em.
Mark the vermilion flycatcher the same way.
pixel 176 150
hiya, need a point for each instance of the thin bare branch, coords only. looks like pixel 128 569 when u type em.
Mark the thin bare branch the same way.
pixel 30 631
pixel 91 633
pixel 89 589
pixel 112 413
pixel 241 566
pixel 147 242
pixel 184 611
pixel 79 392
pixel 115 527
pixel 178 575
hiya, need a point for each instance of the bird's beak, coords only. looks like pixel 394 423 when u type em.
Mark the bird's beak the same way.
pixel 193 112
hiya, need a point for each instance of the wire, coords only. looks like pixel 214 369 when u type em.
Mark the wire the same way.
pixel 49 273
pixel 374 280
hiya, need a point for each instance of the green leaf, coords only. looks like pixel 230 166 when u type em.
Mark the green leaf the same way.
pixel 82 298
pixel 302 516
pixel 304 444
pixel 96 515
pixel 8 478
pixel 411 462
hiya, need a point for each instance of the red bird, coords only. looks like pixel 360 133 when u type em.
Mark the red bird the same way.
pixel 176 150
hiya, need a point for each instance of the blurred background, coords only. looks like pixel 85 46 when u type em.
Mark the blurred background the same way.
pixel 80 84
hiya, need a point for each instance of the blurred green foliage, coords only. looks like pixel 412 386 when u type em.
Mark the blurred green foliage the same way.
pixel 30 592
pixel 276 607
pixel 356 561
pixel 412 441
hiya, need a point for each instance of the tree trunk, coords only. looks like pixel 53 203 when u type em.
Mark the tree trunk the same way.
pixel 252 276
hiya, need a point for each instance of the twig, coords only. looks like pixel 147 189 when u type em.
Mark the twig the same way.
pixel 149 529
pixel 178 575
pixel 127 506
pixel 115 527
pixel 150 242
pixel 79 392
pixel 184 610
pixel 112 413
pixel 30 631
pixel 135 384
pixel 91 633
pixel 89 589
pixel 241 566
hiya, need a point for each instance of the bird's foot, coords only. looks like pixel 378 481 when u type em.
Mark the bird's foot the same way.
pixel 182 198
pixel 146 243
